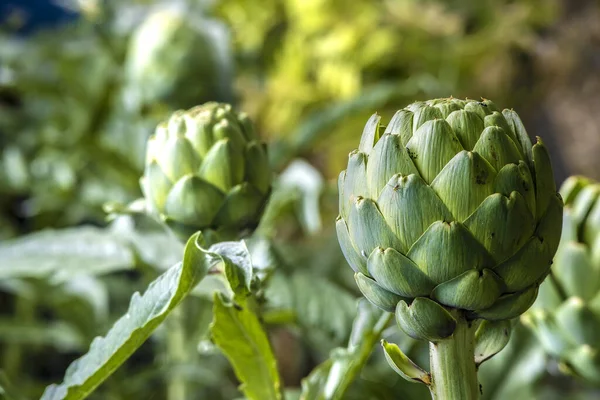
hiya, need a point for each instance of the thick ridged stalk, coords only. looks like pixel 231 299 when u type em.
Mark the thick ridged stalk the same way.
pixel 453 370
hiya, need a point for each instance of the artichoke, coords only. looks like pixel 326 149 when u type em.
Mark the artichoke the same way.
pixel 566 317
pixel 178 59
pixel 206 170
pixel 449 211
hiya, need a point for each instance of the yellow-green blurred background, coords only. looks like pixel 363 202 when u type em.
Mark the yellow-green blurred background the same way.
pixel 83 83
pixel 79 96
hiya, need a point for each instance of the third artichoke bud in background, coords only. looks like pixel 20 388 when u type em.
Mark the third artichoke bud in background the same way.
pixel 449 208
pixel 206 170
pixel 566 317
pixel 172 47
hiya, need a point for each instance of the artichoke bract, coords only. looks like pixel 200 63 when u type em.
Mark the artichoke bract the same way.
pixel 449 210
pixel 566 316
pixel 207 171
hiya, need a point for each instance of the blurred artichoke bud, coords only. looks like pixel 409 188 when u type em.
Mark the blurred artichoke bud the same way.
pixel 449 210
pixel 177 59
pixel 207 171
pixel 566 316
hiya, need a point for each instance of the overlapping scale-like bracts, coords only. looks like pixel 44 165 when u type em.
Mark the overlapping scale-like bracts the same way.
pixel 566 317
pixel 449 206
pixel 206 170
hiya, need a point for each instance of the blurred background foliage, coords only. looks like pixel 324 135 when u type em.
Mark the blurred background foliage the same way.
pixel 79 96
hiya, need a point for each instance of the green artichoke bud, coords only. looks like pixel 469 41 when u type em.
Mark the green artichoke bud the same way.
pixel 176 59
pixel 449 209
pixel 206 170
pixel 566 316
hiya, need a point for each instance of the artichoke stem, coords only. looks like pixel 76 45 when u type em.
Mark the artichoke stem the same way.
pixel 452 361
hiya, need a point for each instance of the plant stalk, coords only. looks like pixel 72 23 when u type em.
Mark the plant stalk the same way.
pixel 452 362
pixel 177 355
pixel 13 358
pixel 364 350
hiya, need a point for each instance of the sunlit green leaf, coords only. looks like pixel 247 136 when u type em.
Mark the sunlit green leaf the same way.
pixel 233 258
pixel 237 331
pixel 146 312
pixel 332 378
pixel 60 335
pixel 60 254
pixel 318 305
pixel 8 391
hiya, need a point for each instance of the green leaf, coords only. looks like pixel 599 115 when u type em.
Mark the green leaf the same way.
pixel 513 373
pixel 309 182
pixel 331 379
pixel 403 365
pixel 234 258
pixel 322 309
pixel 158 249
pixel 8 391
pixel 490 338
pixel 60 335
pixel 145 314
pixel 313 384
pixel 60 254
pixel 237 331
